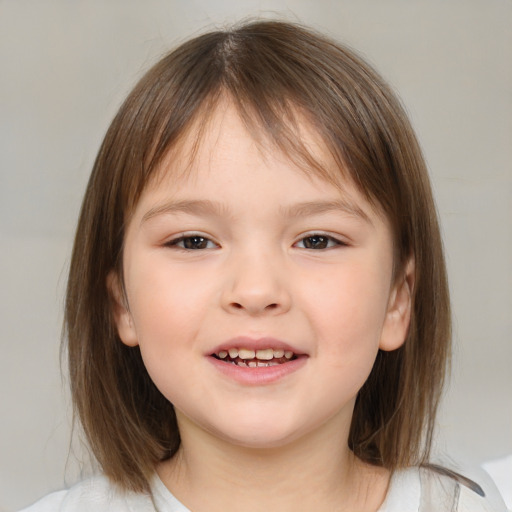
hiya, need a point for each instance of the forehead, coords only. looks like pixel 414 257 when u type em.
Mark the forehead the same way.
pixel 221 160
pixel 221 134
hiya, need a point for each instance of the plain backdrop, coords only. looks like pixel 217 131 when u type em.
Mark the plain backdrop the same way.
pixel 66 66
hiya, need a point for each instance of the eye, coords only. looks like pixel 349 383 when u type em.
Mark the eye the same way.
pixel 318 241
pixel 192 242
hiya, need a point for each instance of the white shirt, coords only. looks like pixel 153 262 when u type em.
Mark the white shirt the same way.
pixel 411 490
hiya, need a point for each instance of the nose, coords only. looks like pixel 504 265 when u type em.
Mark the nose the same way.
pixel 256 285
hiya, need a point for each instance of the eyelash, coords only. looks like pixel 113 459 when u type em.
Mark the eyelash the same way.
pixel 203 242
pixel 321 238
pixel 190 238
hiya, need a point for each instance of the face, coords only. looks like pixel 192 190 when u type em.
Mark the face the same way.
pixel 259 295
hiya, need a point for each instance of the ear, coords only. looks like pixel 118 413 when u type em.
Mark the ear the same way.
pixel 398 314
pixel 122 316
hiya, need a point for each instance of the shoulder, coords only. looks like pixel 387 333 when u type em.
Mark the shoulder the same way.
pixel 437 488
pixel 94 494
pixel 488 500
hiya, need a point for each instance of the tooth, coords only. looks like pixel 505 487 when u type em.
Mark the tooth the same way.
pixel 244 353
pixel 262 364
pixel 242 363
pixel 288 354
pixel 233 352
pixel 278 353
pixel 223 354
pixel 273 363
pixel 265 354
pixel 252 364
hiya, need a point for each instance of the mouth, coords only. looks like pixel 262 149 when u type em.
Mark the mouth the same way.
pixel 260 358
pixel 257 361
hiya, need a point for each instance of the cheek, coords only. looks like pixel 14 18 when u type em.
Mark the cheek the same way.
pixel 167 304
pixel 165 314
pixel 348 309
pixel 166 295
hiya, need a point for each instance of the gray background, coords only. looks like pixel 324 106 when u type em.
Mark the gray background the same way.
pixel 64 69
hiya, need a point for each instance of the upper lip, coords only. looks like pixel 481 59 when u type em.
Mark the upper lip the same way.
pixel 250 343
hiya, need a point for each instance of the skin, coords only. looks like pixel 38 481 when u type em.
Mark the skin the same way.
pixel 266 263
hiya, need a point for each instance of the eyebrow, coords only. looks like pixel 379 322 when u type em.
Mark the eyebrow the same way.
pixel 319 207
pixel 194 207
pixel 213 208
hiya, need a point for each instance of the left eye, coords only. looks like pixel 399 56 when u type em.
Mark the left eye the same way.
pixel 193 242
pixel 318 242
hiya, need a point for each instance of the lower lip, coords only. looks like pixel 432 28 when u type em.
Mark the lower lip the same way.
pixel 261 375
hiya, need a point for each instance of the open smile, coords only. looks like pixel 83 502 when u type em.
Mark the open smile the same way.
pixel 259 358
pixel 257 361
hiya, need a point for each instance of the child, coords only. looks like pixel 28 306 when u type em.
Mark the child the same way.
pixel 257 309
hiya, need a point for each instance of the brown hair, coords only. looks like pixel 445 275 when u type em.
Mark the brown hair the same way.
pixel 270 70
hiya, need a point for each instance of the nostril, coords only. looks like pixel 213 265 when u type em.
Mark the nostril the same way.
pixel 268 307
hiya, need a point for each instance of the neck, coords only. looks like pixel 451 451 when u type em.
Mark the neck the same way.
pixel 316 472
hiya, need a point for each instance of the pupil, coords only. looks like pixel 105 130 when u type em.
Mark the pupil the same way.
pixel 194 242
pixel 316 242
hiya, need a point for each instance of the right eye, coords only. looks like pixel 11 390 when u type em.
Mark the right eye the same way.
pixel 192 242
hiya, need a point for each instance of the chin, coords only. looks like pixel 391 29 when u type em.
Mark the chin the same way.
pixel 259 442
pixel 258 435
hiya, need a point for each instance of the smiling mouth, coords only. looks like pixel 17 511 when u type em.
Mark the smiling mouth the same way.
pixel 255 358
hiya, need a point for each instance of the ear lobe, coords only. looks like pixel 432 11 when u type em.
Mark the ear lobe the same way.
pixel 122 316
pixel 398 315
